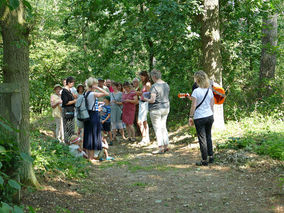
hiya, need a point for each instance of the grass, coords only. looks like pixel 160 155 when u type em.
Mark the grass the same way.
pixel 262 135
pixel 139 185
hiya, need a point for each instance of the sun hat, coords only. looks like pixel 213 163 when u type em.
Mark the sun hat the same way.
pixel 74 139
pixel 57 85
pixel 80 85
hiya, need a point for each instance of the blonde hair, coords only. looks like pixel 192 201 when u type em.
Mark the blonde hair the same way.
pixel 90 82
pixel 201 79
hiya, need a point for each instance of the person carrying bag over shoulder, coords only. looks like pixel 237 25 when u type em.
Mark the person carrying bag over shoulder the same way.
pixel 201 115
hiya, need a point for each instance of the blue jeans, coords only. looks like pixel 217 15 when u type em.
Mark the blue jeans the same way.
pixel 203 128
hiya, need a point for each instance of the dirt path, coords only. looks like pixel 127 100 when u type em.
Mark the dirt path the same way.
pixel 141 182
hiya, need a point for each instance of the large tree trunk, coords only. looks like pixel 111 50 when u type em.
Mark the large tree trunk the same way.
pixel 16 70
pixel 268 54
pixel 212 62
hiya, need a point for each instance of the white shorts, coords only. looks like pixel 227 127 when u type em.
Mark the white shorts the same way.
pixel 105 145
pixel 143 111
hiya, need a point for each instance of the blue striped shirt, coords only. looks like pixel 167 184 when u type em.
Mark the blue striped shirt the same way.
pixel 105 112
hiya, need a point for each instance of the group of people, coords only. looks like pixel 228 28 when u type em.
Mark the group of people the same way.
pixel 112 106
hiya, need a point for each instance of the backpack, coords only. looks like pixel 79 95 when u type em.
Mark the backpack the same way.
pixel 82 107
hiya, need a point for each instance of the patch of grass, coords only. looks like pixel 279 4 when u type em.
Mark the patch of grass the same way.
pixel 135 168
pixel 258 134
pixel 139 184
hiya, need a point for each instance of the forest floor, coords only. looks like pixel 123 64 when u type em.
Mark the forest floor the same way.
pixel 138 181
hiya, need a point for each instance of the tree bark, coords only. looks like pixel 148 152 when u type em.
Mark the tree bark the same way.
pixel 268 54
pixel 15 34
pixel 212 62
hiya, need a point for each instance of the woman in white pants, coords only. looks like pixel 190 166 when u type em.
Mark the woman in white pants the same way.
pixel 159 107
pixel 143 108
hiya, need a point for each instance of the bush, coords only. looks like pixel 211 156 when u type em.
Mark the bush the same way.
pixel 260 134
pixel 53 158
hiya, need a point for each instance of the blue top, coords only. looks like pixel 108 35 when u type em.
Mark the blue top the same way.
pixel 105 112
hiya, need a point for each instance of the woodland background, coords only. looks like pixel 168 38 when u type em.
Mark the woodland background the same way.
pixel 118 39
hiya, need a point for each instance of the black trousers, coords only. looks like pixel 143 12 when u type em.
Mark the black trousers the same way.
pixel 203 128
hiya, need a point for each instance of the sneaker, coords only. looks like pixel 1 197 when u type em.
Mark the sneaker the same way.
pixel 201 163
pixel 109 158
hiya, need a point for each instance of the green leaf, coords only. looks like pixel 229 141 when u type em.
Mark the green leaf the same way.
pixel 27 4
pixel 26 157
pixel 5 126
pixel 14 184
pixel 1 165
pixel 14 4
pixel 5 207
pixel 1 180
pixel 2 150
pixel 17 209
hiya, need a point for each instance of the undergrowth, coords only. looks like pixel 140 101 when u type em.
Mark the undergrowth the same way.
pixel 259 134
pixel 53 158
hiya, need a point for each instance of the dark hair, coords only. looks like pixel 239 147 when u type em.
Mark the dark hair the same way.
pixel 80 85
pixel 70 80
pixel 120 84
pixel 145 74
pixel 115 84
pixel 126 84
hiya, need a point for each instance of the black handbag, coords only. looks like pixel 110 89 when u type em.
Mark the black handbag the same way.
pixel 68 112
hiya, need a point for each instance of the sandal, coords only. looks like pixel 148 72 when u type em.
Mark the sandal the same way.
pixel 166 150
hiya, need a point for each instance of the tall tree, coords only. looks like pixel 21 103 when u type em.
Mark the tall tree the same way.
pixel 15 34
pixel 211 51
pixel 268 53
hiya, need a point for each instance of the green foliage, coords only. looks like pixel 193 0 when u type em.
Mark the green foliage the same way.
pixel 260 134
pixel 53 158
pixel 9 162
pixel 11 209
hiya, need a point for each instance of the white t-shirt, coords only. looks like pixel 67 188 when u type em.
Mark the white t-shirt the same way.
pixel 75 152
pixel 205 109
pixel 91 101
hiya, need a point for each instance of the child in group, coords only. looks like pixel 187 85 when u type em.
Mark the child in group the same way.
pixel 75 147
pixel 104 151
pixel 106 112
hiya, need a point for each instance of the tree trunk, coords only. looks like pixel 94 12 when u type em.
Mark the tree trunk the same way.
pixel 268 54
pixel 212 62
pixel 16 70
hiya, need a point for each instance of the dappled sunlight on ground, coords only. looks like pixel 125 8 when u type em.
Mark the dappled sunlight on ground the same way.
pixel 138 181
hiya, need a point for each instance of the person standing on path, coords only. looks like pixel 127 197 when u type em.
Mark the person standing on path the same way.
pixel 201 114
pixel 68 105
pixel 92 141
pixel 137 88
pixel 116 111
pixel 55 101
pixel 143 108
pixel 129 100
pixel 159 107
pixel 101 85
pixel 109 85
pixel 80 124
